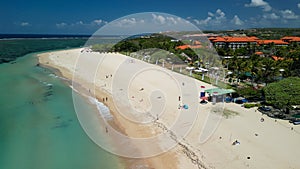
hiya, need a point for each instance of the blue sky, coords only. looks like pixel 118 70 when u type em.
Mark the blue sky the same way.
pixel 85 17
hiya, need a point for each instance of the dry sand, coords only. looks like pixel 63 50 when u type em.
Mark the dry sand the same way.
pixel 208 144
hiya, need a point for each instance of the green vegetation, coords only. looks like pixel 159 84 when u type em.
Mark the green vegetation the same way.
pixel 250 105
pixel 163 49
pixel 283 94
pixel 265 69
pixel 154 41
pixel 250 92
pixel 102 47
pixel 13 48
pixel 254 72
pixel 208 80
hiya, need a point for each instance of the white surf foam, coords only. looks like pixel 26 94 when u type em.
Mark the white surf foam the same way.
pixel 103 110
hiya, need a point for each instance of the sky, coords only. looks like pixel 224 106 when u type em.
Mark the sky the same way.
pixel 85 17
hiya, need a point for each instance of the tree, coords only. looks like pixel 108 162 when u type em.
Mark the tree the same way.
pixel 268 70
pixel 249 92
pixel 253 65
pixel 283 94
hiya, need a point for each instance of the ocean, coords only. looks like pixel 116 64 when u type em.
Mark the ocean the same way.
pixel 38 124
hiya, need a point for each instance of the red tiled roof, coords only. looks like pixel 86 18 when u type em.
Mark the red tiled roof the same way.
pixel 234 39
pixel 229 39
pixel 276 42
pixel 259 53
pixel 254 37
pixel 291 38
pixel 276 58
pixel 183 47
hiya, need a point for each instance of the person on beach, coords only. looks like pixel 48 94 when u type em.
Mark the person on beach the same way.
pixel 236 142
pixel 179 98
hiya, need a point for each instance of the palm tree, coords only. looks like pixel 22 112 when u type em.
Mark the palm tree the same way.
pixel 253 66
pixel 269 69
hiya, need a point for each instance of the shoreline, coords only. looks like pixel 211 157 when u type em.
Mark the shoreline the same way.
pixel 217 151
pixel 66 77
pixel 68 81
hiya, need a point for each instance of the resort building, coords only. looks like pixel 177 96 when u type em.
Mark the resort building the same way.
pixel 233 42
pixel 243 41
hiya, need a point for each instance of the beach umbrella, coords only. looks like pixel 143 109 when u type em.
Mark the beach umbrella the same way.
pixel 204 98
pixel 185 106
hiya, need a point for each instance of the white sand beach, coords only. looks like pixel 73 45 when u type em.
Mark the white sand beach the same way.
pixel 132 88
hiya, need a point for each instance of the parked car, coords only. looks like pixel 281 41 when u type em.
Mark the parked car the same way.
pixel 263 108
pixel 240 100
pixel 228 99
pixel 295 121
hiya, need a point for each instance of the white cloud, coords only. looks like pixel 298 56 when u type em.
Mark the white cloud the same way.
pixel 215 19
pixel 80 23
pixel 128 21
pixel 203 22
pixel 159 19
pixel 60 25
pixel 169 20
pixel 219 17
pixel 259 3
pixel 271 16
pixel 289 14
pixel 236 20
pixel 98 22
pixel 24 24
pixel 298 5
pixel 220 13
pixel 210 14
pixel 172 20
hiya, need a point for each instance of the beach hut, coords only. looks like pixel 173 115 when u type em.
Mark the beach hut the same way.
pixel 218 94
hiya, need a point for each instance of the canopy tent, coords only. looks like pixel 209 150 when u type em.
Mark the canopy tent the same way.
pixel 219 91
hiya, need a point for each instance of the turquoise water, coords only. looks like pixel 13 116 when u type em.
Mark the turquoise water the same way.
pixel 38 124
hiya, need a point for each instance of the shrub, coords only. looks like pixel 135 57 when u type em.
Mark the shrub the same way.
pixel 250 105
